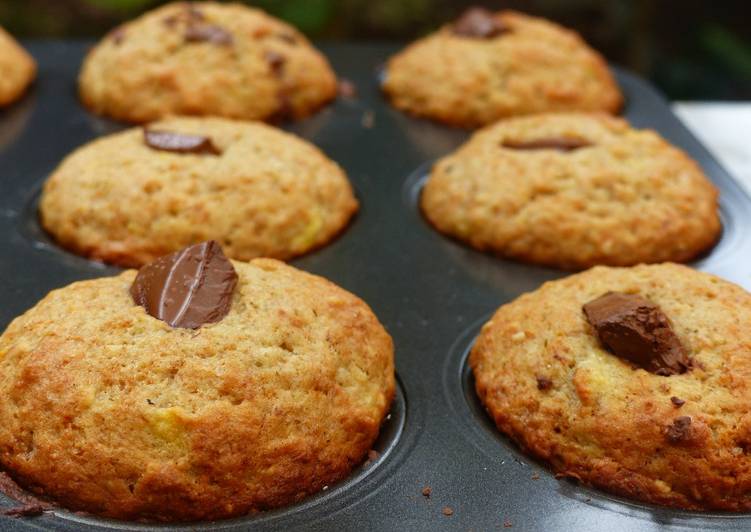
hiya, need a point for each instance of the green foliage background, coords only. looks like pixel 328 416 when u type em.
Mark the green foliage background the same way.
pixel 699 50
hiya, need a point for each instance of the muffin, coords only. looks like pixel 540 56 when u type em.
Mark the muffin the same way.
pixel 487 66
pixel 205 58
pixel 17 69
pixel 573 190
pixel 131 197
pixel 634 380
pixel 195 389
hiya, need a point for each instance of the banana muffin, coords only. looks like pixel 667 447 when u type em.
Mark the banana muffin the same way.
pixel 573 190
pixel 195 389
pixel 133 196
pixel 487 66
pixel 205 58
pixel 17 69
pixel 634 380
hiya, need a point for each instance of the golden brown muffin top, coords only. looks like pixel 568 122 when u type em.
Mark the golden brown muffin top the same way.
pixel 573 190
pixel 112 411
pixel 680 440
pixel 205 58
pixel 264 193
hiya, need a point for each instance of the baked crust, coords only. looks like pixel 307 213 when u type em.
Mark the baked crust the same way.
pixel 629 197
pixel 536 66
pixel 109 410
pixel 17 69
pixel 268 194
pixel 599 419
pixel 146 69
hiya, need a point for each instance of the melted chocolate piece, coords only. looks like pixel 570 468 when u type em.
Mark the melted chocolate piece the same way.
pixel 208 33
pixel 677 401
pixel 479 23
pixel 543 383
pixel 179 142
pixel 679 431
pixel 284 110
pixel 188 288
pixel 553 143
pixel 276 61
pixel 635 329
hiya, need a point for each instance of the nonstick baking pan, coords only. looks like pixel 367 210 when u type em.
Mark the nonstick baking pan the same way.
pixel 431 293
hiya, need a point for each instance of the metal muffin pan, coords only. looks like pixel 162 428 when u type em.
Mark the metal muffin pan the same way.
pixel 430 292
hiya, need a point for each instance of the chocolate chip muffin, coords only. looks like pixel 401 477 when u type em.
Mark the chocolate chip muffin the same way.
pixel 573 190
pixel 634 380
pixel 195 389
pixel 17 69
pixel 487 66
pixel 133 196
pixel 205 58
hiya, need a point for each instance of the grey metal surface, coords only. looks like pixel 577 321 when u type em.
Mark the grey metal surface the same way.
pixel 431 293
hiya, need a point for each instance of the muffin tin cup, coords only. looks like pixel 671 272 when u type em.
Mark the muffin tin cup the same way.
pixel 432 293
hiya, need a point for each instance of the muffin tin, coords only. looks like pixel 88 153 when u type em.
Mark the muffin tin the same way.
pixel 431 293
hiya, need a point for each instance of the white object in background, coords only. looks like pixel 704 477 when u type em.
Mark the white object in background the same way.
pixel 724 128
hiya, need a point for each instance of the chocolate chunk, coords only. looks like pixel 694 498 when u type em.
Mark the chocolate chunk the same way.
pixel 284 110
pixel 346 89
pixel 543 383
pixel 188 288
pixel 679 431
pixel 479 23
pixel 170 21
pixel 426 491
pixel 635 329
pixel 276 61
pixel 553 143
pixel 179 142
pixel 677 401
pixel 208 33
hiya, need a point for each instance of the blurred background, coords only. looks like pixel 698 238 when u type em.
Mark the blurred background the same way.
pixel 691 49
